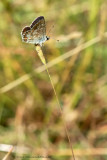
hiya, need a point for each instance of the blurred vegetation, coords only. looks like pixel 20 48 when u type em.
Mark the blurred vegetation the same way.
pixel 29 115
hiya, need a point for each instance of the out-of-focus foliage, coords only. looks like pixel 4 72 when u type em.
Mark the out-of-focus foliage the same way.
pixel 29 114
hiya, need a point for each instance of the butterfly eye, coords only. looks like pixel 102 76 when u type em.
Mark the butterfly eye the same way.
pixel 47 38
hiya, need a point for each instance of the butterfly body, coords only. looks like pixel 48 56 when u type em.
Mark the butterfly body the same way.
pixel 36 32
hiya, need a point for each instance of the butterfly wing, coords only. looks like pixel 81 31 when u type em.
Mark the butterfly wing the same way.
pixel 26 34
pixel 36 32
pixel 38 28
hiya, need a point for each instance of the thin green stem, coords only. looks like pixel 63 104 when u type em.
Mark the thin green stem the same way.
pixel 40 53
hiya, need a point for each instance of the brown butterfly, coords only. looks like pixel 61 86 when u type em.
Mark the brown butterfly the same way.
pixel 36 33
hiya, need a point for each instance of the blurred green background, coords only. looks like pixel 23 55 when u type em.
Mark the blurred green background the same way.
pixel 29 113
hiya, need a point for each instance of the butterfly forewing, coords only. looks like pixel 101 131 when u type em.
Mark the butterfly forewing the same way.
pixel 38 27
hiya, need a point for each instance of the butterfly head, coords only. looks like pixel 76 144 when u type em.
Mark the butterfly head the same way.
pixel 47 38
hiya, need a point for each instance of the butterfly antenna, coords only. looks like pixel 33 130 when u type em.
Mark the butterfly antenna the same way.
pixel 50 30
pixel 55 39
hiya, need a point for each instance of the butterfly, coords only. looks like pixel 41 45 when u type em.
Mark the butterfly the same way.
pixel 36 32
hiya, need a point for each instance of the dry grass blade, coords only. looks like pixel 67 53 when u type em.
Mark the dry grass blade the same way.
pixel 40 53
pixel 83 152
pixel 6 156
